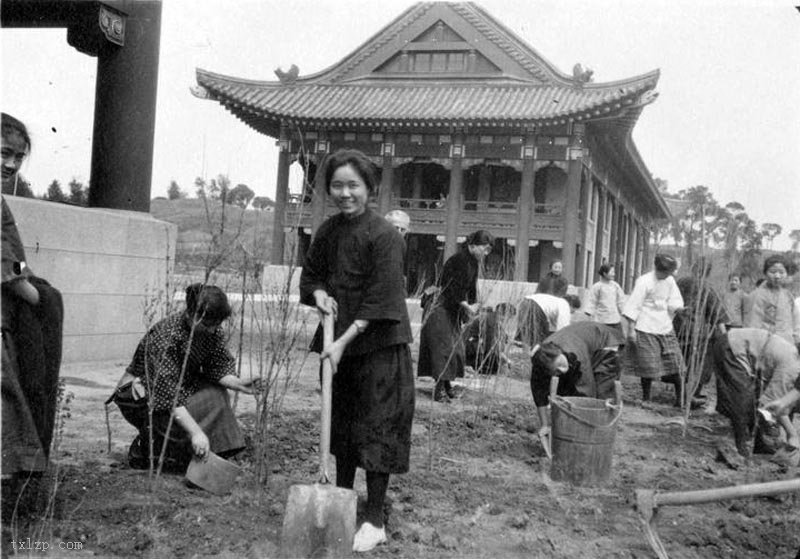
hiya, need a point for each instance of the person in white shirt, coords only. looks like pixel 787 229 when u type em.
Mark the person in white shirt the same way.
pixel 649 310
pixel 540 315
pixel 605 300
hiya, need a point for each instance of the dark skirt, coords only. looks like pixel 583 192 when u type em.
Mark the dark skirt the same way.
pixel 31 361
pixel 373 409
pixel 441 346
pixel 736 390
pixel 210 408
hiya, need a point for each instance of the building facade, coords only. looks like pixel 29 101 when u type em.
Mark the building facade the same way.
pixel 470 128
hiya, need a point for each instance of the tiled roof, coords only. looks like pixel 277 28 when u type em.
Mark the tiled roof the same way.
pixel 439 102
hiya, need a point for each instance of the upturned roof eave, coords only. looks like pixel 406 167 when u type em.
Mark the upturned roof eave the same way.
pixel 644 173
pixel 200 73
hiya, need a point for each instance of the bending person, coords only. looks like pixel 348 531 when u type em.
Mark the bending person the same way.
pixel 755 368
pixel 541 315
pixel 581 359
pixel 441 345
pixel 354 270
pixel 196 398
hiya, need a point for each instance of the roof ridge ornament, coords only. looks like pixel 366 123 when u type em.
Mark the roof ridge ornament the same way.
pixel 581 75
pixel 288 78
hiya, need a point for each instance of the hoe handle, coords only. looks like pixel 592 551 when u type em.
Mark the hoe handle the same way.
pixel 724 493
pixel 327 385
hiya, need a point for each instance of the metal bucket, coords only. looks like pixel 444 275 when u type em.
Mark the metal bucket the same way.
pixel 583 432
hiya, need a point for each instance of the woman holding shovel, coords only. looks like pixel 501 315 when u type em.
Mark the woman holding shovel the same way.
pixel 354 271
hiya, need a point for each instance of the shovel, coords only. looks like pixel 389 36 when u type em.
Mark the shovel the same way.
pixel 648 501
pixel 320 519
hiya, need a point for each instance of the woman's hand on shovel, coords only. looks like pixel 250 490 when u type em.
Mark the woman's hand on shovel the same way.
pixel 200 445
pixel 333 352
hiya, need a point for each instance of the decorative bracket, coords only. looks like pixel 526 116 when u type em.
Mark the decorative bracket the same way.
pixel 112 24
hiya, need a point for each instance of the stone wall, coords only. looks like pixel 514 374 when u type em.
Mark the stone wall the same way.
pixel 108 265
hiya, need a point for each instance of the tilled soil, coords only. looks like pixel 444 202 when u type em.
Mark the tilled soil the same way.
pixel 478 485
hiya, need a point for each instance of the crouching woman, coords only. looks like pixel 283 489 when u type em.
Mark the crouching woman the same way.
pixel 579 360
pixel 181 370
pixel 755 367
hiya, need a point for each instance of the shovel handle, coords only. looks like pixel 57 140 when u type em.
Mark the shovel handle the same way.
pixel 724 493
pixel 327 388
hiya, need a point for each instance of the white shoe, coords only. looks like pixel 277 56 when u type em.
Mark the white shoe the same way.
pixel 368 538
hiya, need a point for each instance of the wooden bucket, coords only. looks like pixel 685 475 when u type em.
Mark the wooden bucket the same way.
pixel 583 432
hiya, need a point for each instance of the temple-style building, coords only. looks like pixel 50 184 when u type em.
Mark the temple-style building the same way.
pixel 471 128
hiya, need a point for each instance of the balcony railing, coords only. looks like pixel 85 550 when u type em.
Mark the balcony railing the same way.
pixel 429 216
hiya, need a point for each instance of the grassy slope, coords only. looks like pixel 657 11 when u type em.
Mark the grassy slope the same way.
pixel 190 216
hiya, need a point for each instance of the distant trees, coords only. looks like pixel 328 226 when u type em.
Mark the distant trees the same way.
pixel 795 237
pixel 699 222
pixel 770 231
pixel 699 218
pixel 215 189
pixel 219 188
pixel 77 192
pixel 174 191
pixel 262 202
pixel 55 193
pixel 240 195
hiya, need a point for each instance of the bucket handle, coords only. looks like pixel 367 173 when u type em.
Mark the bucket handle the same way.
pixel 566 406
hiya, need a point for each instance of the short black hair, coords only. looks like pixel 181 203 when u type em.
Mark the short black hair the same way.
pixel 207 301
pixel 480 238
pixel 574 301
pixel 778 259
pixel 11 124
pixel 545 355
pixel 603 270
pixel 358 161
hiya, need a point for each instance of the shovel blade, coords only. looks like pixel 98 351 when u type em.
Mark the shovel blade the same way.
pixel 320 521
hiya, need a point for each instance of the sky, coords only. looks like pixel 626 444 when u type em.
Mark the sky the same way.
pixel 727 115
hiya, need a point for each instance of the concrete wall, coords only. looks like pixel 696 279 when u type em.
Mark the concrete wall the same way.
pixel 108 264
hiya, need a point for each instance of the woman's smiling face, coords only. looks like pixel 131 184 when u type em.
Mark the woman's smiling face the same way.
pixel 14 150
pixel 349 191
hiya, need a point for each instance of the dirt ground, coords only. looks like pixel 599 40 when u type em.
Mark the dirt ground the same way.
pixel 478 486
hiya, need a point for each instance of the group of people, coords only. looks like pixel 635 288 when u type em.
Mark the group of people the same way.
pixel 681 332
pixel 175 389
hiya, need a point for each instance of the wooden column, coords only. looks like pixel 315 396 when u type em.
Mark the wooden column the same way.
pixel 622 235
pixel 646 258
pixel 387 176
pixel 320 199
pixel 416 186
pixel 613 255
pixel 580 265
pixel 454 197
pixel 571 220
pixel 484 187
pixel 637 263
pixel 600 233
pixel 125 110
pixel 629 253
pixel 525 210
pixel 281 196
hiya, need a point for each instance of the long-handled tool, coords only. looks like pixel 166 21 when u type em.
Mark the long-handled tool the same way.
pixel 648 501
pixel 320 519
